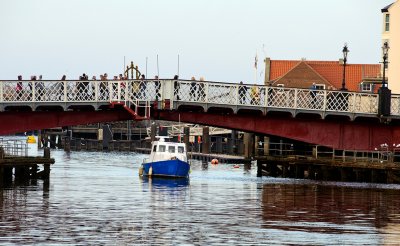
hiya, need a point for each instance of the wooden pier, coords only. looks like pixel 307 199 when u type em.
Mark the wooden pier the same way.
pixel 21 169
pixel 328 169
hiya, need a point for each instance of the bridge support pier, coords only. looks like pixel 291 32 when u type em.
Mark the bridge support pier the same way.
pixel 186 137
pixel 206 141
pixel 248 140
pixel 53 141
pixel 231 143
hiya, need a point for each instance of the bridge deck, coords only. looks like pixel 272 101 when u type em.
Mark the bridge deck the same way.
pixel 67 95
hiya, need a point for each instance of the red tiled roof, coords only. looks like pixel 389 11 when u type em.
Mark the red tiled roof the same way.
pixel 332 71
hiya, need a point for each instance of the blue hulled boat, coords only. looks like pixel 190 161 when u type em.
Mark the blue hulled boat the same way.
pixel 167 159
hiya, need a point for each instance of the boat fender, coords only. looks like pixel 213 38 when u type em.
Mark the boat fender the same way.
pixel 150 171
pixel 141 171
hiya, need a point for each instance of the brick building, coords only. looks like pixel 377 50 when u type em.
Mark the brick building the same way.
pixel 325 74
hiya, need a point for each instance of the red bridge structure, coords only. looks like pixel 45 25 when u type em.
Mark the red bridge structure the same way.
pixel 341 120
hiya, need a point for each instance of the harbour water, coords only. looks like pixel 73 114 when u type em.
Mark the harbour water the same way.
pixel 99 199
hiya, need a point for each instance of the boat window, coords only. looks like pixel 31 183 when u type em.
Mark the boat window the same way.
pixel 181 149
pixel 155 148
pixel 171 149
pixel 161 148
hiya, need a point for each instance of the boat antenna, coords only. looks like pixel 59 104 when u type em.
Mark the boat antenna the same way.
pixel 178 64
pixel 179 123
pixel 146 67
pixel 158 70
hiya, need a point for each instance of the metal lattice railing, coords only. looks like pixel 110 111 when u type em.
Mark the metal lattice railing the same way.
pixel 14 147
pixel 184 91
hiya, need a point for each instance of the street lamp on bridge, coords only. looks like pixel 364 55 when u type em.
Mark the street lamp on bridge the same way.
pixel 384 92
pixel 385 50
pixel 345 52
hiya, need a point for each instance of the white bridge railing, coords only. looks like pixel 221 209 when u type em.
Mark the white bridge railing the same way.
pixel 256 96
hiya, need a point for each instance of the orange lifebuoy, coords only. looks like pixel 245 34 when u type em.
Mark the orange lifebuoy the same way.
pixel 214 161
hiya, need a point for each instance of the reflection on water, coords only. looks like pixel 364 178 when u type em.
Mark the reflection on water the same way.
pixel 98 198
pixel 165 183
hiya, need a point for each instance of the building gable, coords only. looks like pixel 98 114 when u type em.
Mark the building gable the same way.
pixel 301 76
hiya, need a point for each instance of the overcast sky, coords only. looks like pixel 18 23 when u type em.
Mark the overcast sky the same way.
pixel 217 39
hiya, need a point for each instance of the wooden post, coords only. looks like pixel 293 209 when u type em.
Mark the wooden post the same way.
pixel 206 141
pixel 266 145
pixel 256 146
pixel 7 175
pixel 299 172
pixel 219 144
pixel 186 137
pixel 231 143
pixel 67 144
pixel 153 132
pixel 259 168
pixel 46 154
pixel 1 176
pixel 39 139
pixel 248 140
pixel 52 141
pixel 284 170
pixel 1 152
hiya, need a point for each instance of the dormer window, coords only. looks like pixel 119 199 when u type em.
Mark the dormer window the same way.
pixel 367 87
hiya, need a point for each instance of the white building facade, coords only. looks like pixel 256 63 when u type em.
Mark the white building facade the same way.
pixel 391 34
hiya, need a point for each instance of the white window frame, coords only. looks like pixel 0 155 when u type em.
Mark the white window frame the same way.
pixel 387 23
pixel 320 86
pixel 366 84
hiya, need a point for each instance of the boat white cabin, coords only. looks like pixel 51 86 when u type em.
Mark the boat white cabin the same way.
pixel 163 151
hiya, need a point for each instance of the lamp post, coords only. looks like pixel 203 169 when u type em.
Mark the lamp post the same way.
pixel 345 52
pixel 385 50
pixel 384 93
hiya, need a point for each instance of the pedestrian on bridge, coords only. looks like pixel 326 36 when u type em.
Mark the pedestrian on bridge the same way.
pixel 142 87
pixel 313 94
pixel 157 85
pixel 201 90
pixel 193 89
pixel 176 87
pixel 18 89
pixel 242 93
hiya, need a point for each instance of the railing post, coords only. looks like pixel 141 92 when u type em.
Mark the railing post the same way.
pixel 126 91
pixel 325 101
pixel 65 90
pixel 295 98
pixel 237 95
pixel 33 90
pixel 353 99
pixel 110 92
pixel 96 90
pixel 119 91
pixel 206 92
pixel 1 90
pixel 266 96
